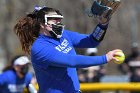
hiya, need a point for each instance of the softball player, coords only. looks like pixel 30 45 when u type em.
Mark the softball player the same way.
pixel 51 47
pixel 16 77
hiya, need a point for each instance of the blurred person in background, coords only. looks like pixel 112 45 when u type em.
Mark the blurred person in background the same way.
pixel 131 66
pixel 91 74
pixel 94 73
pixel 16 78
pixel 133 61
pixel 42 35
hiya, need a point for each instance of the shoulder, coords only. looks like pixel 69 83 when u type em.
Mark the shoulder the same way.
pixel 70 32
pixel 28 78
pixel 67 31
pixel 8 73
pixel 40 43
pixel 29 75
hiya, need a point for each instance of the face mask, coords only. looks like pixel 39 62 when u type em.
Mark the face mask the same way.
pixel 57 30
pixel 24 70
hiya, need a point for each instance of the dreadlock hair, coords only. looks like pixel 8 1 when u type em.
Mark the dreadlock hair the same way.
pixel 27 28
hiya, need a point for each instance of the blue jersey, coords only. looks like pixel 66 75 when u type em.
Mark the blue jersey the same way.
pixel 11 83
pixel 55 61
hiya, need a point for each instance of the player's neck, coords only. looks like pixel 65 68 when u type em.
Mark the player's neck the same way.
pixel 45 32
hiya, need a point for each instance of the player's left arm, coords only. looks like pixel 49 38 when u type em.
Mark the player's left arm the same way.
pixel 79 40
pixel 103 10
pixel 88 40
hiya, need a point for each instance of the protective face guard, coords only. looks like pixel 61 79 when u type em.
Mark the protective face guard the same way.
pixel 52 16
pixel 57 29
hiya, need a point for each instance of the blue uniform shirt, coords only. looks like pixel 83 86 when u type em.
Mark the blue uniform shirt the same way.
pixel 11 83
pixel 55 61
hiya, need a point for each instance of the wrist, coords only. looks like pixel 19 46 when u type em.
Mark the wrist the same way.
pixel 103 26
pixel 99 32
pixel 105 59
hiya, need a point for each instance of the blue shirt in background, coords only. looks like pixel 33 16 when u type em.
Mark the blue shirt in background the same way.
pixel 11 83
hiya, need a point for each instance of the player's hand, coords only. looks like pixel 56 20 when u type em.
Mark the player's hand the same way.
pixel 111 55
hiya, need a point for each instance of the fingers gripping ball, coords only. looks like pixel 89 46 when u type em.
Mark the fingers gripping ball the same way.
pixel 120 57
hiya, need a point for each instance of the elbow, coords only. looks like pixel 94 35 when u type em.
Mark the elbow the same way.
pixel 93 42
pixel 72 65
pixel 97 44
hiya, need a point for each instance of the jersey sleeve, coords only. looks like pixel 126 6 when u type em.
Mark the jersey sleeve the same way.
pixel 81 40
pixel 28 78
pixel 2 79
pixel 50 56
pixel 88 40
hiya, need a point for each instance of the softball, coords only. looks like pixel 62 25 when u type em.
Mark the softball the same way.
pixel 120 56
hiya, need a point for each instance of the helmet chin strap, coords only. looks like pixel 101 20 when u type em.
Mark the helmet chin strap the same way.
pixel 53 34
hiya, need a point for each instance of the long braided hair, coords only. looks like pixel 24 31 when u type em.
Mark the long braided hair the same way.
pixel 27 28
